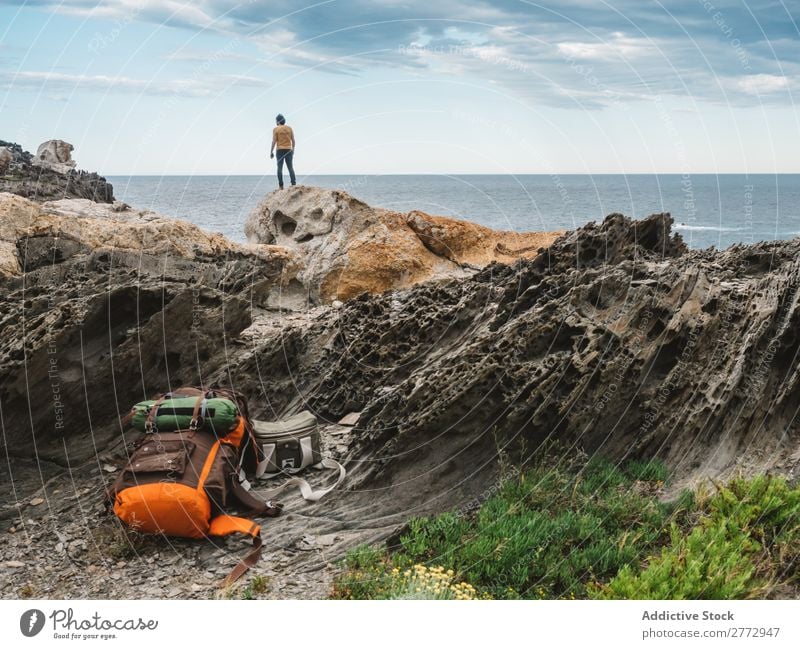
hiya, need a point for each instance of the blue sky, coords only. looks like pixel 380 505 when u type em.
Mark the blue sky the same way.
pixel 412 86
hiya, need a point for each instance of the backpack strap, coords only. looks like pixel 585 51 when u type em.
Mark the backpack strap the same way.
pixel 256 506
pixel 306 490
pixel 224 525
pixel 196 415
pixel 185 392
pixel 149 422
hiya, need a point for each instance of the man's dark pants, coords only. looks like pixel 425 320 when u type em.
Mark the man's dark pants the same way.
pixel 288 155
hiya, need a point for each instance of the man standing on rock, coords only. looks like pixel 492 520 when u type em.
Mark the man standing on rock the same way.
pixel 283 138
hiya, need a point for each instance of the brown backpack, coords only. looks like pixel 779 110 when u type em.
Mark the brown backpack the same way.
pixel 182 482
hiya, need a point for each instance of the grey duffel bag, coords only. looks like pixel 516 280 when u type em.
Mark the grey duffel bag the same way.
pixel 289 446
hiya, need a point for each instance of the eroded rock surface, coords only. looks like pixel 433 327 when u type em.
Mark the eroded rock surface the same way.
pixel 86 297
pixel 615 340
pixel 348 248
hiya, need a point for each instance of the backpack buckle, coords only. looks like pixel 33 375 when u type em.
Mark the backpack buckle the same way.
pixel 193 425
pixel 150 427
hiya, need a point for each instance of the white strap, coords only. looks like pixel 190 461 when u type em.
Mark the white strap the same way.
pixel 261 469
pixel 305 489
pixel 244 481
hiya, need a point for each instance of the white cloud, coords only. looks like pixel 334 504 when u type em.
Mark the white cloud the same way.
pixel 188 13
pixel 66 82
pixel 277 38
pixel 202 56
pixel 57 81
pixel 616 47
pixel 761 84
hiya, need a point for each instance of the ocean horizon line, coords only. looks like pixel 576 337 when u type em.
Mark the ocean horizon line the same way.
pixel 453 175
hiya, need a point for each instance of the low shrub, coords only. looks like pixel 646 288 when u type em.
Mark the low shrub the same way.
pixel 746 544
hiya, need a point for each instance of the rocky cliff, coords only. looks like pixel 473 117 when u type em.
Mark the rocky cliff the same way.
pixel 614 339
pixel 50 174
pixel 84 282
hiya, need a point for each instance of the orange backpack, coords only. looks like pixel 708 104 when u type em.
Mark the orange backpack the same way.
pixel 181 482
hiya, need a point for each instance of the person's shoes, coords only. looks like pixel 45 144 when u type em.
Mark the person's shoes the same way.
pixel 280 186
pixel 294 184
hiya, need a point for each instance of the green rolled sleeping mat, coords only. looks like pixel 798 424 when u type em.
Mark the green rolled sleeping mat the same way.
pixel 215 415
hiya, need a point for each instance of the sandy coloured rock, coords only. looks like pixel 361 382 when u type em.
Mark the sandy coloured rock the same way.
pixel 36 234
pixel 348 247
pixel 466 243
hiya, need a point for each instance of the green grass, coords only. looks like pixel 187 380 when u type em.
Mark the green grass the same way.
pixel 601 531
pixel 257 585
pixel 746 545
pixel 547 533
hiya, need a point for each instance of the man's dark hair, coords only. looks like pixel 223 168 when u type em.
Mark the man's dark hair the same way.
pixel 280 119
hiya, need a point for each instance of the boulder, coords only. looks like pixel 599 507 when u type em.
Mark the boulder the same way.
pixel 55 155
pixel 347 247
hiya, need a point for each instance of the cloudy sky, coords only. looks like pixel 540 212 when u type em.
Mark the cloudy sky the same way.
pixel 411 86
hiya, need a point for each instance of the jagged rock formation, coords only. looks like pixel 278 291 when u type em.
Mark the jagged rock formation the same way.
pixel 348 247
pixel 616 340
pixel 50 175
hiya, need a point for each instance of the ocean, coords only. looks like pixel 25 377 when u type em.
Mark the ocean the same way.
pixel 709 210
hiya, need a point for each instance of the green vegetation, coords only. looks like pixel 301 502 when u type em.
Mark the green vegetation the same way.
pixel 597 530
pixel 257 585
pixel 372 575
pixel 746 544
pixel 255 588
pixel 113 540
